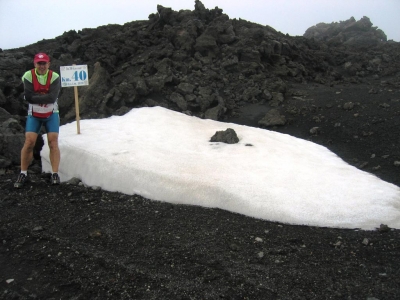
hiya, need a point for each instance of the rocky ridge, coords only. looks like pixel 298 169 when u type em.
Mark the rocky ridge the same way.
pixel 358 34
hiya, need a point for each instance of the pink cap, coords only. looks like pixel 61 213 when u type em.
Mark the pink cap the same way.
pixel 41 57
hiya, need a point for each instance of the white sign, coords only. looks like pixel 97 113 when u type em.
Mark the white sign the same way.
pixel 74 75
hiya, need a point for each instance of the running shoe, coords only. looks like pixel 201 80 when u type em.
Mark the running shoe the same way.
pixel 22 178
pixel 55 179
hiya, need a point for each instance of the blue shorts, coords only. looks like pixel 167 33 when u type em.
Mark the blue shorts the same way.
pixel 51 123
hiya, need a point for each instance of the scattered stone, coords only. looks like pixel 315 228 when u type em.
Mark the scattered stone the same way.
pixel 95 234
pixel 384 105
pixel 348 106
pixel 272 118
pixel 384 228
pixel 337 244
pixel 74 181
pixel 315 130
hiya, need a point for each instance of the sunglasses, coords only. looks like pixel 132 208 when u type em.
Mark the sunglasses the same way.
pixel 41 63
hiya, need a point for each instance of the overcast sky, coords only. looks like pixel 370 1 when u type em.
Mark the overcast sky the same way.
pixel 23 22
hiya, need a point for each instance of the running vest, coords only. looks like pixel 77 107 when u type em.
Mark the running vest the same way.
pixel 41 110
pixel 39 88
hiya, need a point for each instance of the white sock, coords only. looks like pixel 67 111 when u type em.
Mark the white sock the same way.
pixel 24 172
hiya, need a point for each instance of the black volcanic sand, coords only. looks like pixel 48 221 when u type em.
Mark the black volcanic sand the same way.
pixel 74 242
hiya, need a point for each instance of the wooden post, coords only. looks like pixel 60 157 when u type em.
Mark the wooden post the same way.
pixel 78 129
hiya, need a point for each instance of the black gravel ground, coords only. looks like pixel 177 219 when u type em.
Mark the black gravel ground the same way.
pixel 75 242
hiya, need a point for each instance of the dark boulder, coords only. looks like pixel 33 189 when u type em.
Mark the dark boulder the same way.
pixel 228 136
